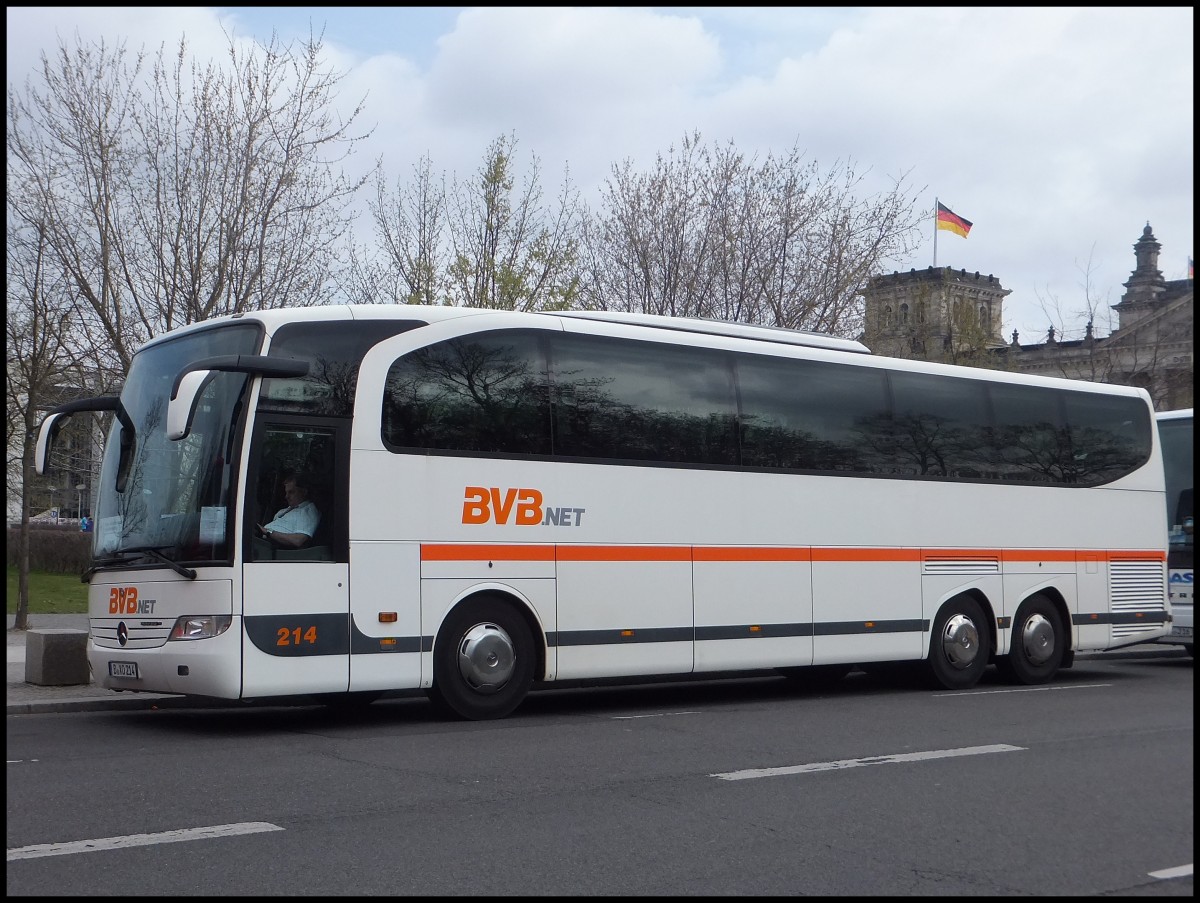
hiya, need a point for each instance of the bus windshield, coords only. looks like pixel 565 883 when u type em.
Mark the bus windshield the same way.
pixel 1176 435
pixel 177 496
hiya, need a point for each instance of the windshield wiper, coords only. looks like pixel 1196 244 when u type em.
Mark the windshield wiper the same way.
pixel 170 562
pixel 153 551
pixel 100 564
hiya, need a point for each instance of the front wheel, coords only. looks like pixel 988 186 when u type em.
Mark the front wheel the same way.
pixel 483 661
pixel 1038 643
pixel 960 647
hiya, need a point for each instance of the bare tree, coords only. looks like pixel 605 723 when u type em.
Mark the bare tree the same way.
pixel 1090 343
pixel 510 251
pixel 409 263
pixel 43 361
pixel 711 233
pixel 184 191
pixel 144 196
pixel 647 249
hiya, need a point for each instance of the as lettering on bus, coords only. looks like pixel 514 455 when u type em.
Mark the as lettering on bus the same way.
pixel 123 600
pixel 523 507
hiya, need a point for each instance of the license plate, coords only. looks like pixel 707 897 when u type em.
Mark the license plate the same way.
pixel 1181 631
pixel 123 669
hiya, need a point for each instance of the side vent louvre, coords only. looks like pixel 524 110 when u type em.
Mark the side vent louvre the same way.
pixel 1137 585
pixel 948 564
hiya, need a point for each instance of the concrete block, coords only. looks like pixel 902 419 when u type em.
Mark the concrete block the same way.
pixel 56 656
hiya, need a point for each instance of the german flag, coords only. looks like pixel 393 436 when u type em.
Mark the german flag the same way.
pixel 949 220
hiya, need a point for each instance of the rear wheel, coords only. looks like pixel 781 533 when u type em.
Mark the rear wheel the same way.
pixel 483 661
pixel 961 644
pixel 1038 643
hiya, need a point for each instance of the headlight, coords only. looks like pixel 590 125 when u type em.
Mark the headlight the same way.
pixel 200 627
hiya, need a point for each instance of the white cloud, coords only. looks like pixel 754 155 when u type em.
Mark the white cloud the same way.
pixel 1058 131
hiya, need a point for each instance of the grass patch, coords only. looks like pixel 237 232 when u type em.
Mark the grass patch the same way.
pixel 50 594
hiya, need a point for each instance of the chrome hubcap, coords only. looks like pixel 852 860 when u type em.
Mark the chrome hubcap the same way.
pixel 486 658
pixel 1037 639
pixel 960 641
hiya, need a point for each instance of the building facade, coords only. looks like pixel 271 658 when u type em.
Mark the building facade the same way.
pixel 950 315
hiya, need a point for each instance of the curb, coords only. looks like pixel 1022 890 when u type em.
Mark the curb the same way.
pixel 138 702
pixel 99 704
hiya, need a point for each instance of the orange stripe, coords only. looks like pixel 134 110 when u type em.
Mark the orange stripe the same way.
pixel 464 552
pixel 739 553
pixel 533 552
pixel 1038 554
pixel 624 553
pixel 866 554
pixel 968 554
pixel 1156 554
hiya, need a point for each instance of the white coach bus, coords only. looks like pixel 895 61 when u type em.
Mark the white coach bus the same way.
pixel 517 499
pixel 1175 429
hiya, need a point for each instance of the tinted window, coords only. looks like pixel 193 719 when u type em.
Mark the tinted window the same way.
pixel 594 397
pixel 1029 441
pixel 810 415
pixel 1176 438
pixel 642 401
pixel 334 350
pixel 939 425
pixel 481 393
pixel 1109 437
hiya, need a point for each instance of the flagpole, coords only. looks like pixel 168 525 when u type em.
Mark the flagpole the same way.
pixel 935 232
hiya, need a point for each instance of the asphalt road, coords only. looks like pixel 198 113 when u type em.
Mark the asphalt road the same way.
pixel 742 787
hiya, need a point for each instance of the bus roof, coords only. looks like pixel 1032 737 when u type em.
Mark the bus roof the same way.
pixel 1181 414
pixel 721 327
pixel 273 319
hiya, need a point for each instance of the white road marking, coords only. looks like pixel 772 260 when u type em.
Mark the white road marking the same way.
pixel 1180 871
pixel 962 695
pixel 862 763
pixel 655 715
pixel 139 840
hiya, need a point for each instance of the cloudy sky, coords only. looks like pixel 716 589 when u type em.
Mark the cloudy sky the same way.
pixel 1059 132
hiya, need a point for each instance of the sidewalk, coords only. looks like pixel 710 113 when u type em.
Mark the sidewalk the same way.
pixel 32 699
pixel 29 699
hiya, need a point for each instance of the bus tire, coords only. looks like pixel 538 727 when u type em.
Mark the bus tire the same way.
pixel 483 661
pixel 960 646
pixel 1038 643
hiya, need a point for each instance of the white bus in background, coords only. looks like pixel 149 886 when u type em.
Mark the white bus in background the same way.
pixel 1175 432
pixel 511 500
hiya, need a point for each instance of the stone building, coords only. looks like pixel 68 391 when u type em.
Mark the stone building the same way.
pixel 938 313
pixel 950 315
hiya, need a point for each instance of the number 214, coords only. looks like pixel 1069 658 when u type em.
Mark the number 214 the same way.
pixel 293 636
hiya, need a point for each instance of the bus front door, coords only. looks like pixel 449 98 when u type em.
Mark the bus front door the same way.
pixel 296 600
